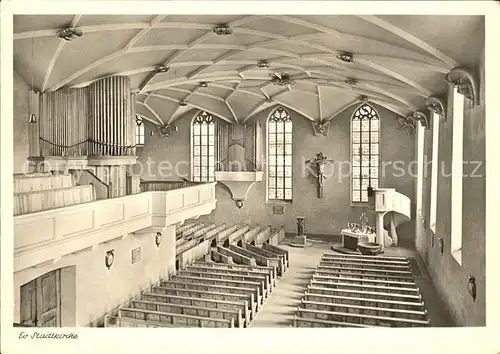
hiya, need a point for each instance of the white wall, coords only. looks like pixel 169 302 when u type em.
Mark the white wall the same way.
pixel 99 290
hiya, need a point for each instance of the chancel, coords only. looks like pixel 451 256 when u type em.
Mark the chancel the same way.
pixel 166 167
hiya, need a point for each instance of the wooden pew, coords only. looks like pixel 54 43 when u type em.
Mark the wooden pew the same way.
pixel 222 235
pixel 365 294
pixel 365 301
pixel 259 259
pixel 358 256
pixel 199 302
pixel 316 323
pixel 203 231
pixel 215 230
pixel 31 202
pixel 364 310
pixel 363 265
pixel 189 232
pixel 254 302
pixel 237 257
pixel 238 234
pixel 271 271
pixel 263 236
pixel 278 250
pixel 162 307
pixel 340 258
pixel 203 273
pixel 174 318
pixel 369 320
pixel 115 321
pixel 250 235
pixel 269 255
pixel 248 297
pixel 366 270
pixel 25 183
pixel 337 271
pixel 276 236
pixel 265 276
pixel 364 287
pixel 180 229
pixel 223 282
pixel 348 279
pixel 219 257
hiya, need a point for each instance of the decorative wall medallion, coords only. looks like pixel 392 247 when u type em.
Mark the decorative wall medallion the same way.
pixel 167 130
pixel 109 258
pixel 158 238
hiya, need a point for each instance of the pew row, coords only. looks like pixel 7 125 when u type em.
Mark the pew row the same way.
pixel 183 309
pixel 180 320
pixel 369 320
pixel 219 257
pixel 356 280
pixel 266 277
pixel 364 287
pixel 301 322
pixel 278 250
pixel 259 259
pixel 364 294
pixel 271 271
pixel 254 300
pixel 254 286
pixel 237 257
pixel 248 298
pixel 200 302
pixel 128 322
pixel 268 254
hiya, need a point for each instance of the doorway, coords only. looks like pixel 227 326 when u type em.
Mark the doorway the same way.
pixel 41 301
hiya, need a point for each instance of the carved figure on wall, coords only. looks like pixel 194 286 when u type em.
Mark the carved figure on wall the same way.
pixel 319 163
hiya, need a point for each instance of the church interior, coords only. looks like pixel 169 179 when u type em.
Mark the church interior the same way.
pixel 245 171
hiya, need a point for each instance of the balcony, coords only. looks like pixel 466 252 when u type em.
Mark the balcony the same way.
pixel 49 235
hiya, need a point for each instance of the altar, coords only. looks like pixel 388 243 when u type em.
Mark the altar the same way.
pixel 350 239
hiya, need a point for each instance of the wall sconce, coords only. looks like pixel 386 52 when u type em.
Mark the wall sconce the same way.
pixel 158 238
pixel 32 118
pixel 471 287
pixel 109 258
pixel 441 245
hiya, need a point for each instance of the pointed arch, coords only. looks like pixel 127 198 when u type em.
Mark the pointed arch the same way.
pixel 365 152
pixel 279 128
pixel 203 147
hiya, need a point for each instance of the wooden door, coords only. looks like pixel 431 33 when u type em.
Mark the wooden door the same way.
pixel 41 301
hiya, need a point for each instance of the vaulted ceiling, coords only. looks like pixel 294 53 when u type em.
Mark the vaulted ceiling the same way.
pixel 296 61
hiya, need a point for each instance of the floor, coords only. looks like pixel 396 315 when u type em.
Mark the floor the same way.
pixel 280 307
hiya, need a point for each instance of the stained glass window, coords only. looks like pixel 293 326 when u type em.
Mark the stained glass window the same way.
pixel 203 141
pixel 279 137
pixel 139 131
pixel 365 134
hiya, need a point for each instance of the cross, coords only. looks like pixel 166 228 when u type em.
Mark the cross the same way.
pixel 319 163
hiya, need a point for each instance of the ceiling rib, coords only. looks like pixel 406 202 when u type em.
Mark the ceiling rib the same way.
pixel 60 47
pixel 152 111
pixel 409 38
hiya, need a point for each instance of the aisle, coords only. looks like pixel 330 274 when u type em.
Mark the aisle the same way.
pixel 280 307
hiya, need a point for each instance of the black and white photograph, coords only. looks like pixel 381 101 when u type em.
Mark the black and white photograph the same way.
pixel 238 168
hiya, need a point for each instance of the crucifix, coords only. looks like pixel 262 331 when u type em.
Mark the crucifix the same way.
pixel 319 163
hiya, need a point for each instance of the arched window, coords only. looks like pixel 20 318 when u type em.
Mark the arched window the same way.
pixel 203 147
pixel 139 131
pixel 279 138
pixel 365 124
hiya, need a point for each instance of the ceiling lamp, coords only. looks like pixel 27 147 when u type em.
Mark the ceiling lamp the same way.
pixel 183 103
pixel 282 79
pixel 346 57
pixel 161 69
pixel 203 84
pixel 222 30
pixel 70 33
pixel 263 64
pixel 351 82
